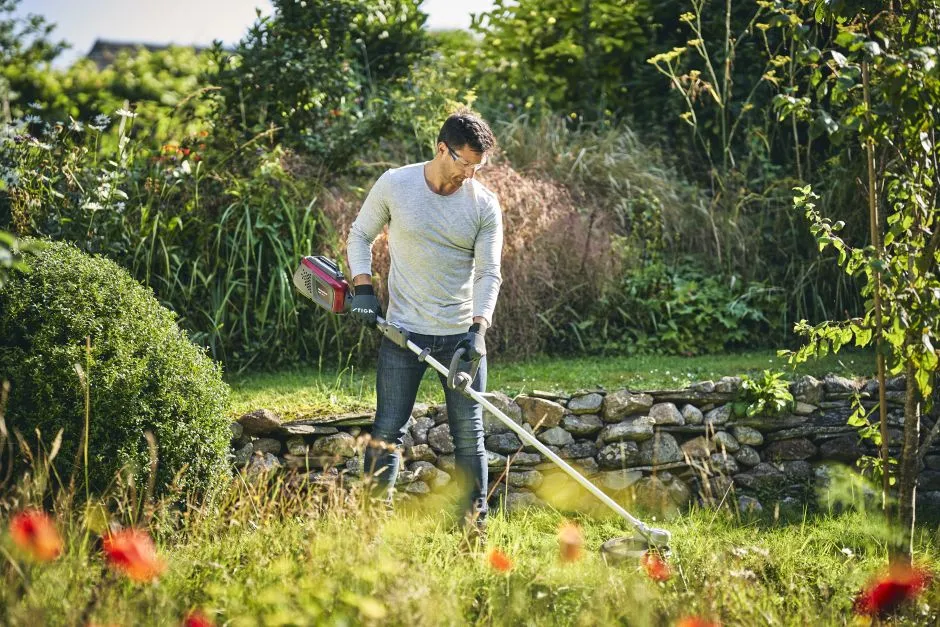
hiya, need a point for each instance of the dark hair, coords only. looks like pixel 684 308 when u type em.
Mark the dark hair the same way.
pixel 466 129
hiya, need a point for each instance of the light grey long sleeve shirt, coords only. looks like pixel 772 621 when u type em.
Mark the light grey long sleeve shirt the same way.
pixel 445 250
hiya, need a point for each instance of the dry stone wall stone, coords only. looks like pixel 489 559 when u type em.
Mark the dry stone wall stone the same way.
pixel 638 428
pixel 622 403
pixel 582 424
pixel 727 442
pixel 784 450
pixel 807 389
pixel 260 422
pixel 556 436
pixel 692 415
pixel 666 414
pixel 539 412
pixel 747 435
pixel 619 455
pixel 662 448
pixel 590 403
pixel 633 437
pixel 440 440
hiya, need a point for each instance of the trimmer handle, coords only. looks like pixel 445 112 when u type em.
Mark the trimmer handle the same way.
pixel 457 379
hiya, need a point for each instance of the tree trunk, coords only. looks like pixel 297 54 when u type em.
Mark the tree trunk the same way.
pixel 909 464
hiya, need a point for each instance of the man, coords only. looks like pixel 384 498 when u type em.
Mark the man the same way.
pixel 445 239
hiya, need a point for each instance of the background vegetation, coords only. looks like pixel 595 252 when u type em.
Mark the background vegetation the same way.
pixel 658 193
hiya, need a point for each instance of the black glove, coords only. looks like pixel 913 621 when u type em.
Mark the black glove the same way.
pixel 365 306
pixel 474 343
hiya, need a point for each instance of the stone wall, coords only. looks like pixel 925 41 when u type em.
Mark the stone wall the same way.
pixel 662 449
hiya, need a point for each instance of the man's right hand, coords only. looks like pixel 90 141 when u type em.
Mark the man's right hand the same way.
pixel 365 306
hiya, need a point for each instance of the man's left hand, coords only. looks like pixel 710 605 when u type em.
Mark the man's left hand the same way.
pixel 474 343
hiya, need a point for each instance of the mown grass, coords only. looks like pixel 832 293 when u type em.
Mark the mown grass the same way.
pixel 302 392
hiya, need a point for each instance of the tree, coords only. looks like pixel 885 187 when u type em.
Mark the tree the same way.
pixel 571 56
pixel 879 85
pixel 316 75
pixel 25 49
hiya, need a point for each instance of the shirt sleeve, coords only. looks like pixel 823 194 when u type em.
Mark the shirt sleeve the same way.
pixel 372 218
pixel 487 253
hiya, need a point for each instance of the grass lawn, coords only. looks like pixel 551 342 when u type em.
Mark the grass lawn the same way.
pixel 307 392
pixel 265 559
pixel 268 554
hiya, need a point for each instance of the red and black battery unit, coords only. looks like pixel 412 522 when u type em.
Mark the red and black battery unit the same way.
pixel 320 279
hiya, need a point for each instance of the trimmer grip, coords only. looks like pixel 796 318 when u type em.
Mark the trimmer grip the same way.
pixel 456 379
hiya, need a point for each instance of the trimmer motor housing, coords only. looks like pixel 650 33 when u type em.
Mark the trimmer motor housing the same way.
pixel 321 280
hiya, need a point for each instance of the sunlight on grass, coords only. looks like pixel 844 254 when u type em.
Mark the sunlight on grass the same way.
pixel 408 569
pixel 309 392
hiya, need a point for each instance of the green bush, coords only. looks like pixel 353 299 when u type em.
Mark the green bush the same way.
pixel 317 76
pixel 143 374
pixel 677 310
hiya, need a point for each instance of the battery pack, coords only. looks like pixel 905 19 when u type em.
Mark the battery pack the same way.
pixel 320 279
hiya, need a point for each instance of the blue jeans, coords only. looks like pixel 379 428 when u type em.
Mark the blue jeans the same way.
pixel 398 376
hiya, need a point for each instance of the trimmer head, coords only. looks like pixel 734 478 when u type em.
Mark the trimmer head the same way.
pixel 632 548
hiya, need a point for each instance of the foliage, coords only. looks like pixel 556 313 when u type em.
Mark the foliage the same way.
pixel 141 373
pixel 216 247
pixel 677 310
pixel 725 64
pixel 766 395
pixel 878 85
pixel 25 52
pixel 13 255
pixel 163 88
pixel 436 86
pixel 316 76
pixel 571 57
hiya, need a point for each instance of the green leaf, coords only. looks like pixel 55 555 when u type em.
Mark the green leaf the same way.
pixel 862 336
pixel 922 376
pixel 846 38
pixel 871 48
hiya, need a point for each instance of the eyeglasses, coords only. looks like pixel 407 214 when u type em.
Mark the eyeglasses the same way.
pixel 463 163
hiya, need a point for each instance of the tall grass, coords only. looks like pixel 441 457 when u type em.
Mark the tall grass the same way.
pixel 217 243
pixel 271 550
pixel 624 180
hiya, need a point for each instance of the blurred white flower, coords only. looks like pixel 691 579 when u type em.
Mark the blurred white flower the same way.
pixel 100 122
pixel 124 113
pixel 10 177
pixel 744 573
pixel 760 551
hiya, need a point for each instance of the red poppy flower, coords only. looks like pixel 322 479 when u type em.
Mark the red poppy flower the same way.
pixel 888 592
pixel 197 619
pixel 34 531
pixel 133 552
pixel 655 566
pixel 696 621
pixel 570 542
pixel 499 561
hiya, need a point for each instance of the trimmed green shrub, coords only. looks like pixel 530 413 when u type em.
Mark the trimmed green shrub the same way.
pixel 143 374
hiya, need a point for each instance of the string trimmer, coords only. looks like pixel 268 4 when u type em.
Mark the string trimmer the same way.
pixel 321 280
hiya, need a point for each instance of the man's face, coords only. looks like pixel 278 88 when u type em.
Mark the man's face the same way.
pixel 460 163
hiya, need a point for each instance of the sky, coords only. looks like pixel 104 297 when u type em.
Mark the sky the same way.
pixel 185 22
